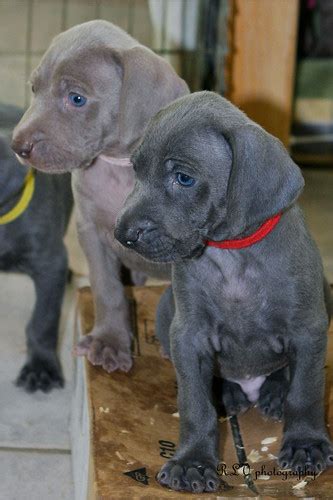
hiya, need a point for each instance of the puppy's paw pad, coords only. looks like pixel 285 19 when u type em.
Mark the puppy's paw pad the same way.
pixel 40 375
pixel 306 456
pixel 112 360
pixel 189 476
pixel 234 399
pixel 110 352
pixel 271 399
pixel 272 407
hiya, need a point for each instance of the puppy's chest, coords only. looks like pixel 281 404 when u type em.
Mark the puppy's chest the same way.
pixel 240 304
pixel 236 289
pixel 241 321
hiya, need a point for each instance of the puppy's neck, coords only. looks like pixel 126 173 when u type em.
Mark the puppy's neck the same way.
pixel 250 239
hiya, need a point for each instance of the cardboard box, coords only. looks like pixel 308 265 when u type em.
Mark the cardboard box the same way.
pixel 134 426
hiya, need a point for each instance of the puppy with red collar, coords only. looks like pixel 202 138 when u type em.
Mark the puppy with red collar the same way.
pixel 216 196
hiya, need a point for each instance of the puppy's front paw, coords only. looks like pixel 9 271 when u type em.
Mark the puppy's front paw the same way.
pixel 109 351
pixel 190 475
pixel 41 374
pixel 306 455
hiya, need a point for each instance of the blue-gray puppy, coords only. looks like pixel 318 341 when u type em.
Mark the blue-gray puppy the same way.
pixel 32 243
pixel 255 307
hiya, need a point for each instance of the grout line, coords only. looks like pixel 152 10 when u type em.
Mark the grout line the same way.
pixel 64 11
pixel 97 9
pixel 28 53
pixel 49 451
pixel 130 17
pixel 164 20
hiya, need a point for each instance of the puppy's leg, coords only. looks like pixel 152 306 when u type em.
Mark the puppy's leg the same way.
pixel 109 343
pixel 164 316
pixel 306 445
pixel 42 369
pixel 273 394
pixel 194 466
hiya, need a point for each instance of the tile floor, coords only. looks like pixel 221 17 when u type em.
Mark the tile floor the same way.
pixel 35 459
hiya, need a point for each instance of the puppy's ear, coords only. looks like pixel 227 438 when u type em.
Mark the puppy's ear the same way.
pixel 263 180
pixel 149 83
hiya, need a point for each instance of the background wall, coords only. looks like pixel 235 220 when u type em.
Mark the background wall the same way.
pixel 176 29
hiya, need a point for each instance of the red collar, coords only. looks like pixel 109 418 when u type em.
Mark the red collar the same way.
pixel 258 235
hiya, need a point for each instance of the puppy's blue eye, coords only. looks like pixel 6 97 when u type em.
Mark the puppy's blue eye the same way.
pixel 77 100
pixel 184 180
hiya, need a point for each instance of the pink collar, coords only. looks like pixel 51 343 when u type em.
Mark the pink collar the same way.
pixel 258 235
pixel 118 162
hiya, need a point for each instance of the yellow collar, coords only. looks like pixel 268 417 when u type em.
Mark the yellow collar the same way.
pixel 22 204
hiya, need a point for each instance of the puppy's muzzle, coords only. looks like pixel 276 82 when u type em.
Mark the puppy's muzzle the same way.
pixel 131 235
pixel 24 142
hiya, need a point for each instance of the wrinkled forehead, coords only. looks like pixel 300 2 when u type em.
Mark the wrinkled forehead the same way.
pixel 84 67
pixel 185 140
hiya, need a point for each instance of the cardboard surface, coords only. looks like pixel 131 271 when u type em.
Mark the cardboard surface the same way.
pixel 134 425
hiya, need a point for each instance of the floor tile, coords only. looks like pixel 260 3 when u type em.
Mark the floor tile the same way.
pixel 31 475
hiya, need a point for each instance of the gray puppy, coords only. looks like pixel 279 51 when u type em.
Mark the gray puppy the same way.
pixel 94 92
pixel 256 309
pixel 33 244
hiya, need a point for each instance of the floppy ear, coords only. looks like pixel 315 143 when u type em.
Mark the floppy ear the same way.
pixel 263 180
pixel 149 83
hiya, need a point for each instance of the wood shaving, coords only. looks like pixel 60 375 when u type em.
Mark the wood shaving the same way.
pixel 104 410
pixel 311 478
pixel 300 485
pixel 152 421
pixel 176 415
pixel 264 477
pixel 271 456
pixel 119 455
pixel 223 419
pixel 130 463
pixel 264 448
pixel 124 431
pixel 269 440
pixel 244 471
pixel 254 456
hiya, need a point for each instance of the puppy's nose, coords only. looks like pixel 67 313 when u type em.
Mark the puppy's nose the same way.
pixel 130 235
pixel 23 149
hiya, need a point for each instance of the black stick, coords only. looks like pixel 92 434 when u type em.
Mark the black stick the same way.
pixel 241 455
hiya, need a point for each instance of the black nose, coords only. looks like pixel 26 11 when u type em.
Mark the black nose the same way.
pixel 23 149
pixel 130 235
